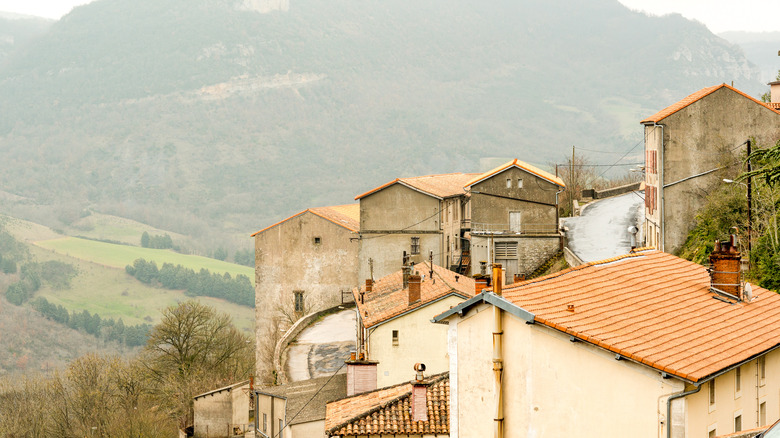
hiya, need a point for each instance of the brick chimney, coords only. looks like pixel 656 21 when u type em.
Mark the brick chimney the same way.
pixel 419 400
pixel 726 268
pixel 479 284
pixel 415 283
pixel 361 374
pixel 369 285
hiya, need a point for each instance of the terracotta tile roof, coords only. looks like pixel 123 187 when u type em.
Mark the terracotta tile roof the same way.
pixel 389 299
pixel 439 186
pixel 774 105
pixel 306 399
pixel 522 165
pixel 388 411
pixel 653 308
pixel 347 216
pixel 668 111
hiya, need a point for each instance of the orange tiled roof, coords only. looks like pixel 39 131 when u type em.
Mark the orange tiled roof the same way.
pixel 347 216
pixel 774 105
pixel 522 165
pixel 653 308
pixel 439 186
pixel 389 299
pixel 668 111
pixel 388 411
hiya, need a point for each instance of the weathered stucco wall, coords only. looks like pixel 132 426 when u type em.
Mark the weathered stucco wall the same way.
pixel 491 200
pixel 389 219
pixel 553 387
pixel 419 340
pixel 703 136
pixel 287 259
pixel 314 429
pixel 213 414
pixel 532 252
pixel 271 426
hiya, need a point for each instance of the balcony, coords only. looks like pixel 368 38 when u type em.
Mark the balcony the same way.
pixel 505 229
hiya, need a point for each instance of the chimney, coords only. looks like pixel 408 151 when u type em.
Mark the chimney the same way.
pixel 369 285
pixel 361 374
pixel 414 288
pixel 407 270
pixel 479 284
pixel 419 400
pixel 726 268
pixel 774 92
pixel 497 278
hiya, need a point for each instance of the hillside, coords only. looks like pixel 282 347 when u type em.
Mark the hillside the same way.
pixel 760 47
pixel 211 119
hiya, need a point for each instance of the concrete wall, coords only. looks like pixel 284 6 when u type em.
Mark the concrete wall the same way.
pixel 287 260
pixel 213 415
pixel 240 417
pixel 553 387
pixel 703 136
pixel 389 219
pixel 312 429
pixel 418 341
pixel 652 232
pixel 453 212
pixel 703 417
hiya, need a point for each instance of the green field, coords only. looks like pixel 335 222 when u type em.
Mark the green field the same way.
pixel 119 256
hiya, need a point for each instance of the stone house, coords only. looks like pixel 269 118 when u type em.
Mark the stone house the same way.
pixel 643 345
pixel 465 220
pixel 690 147
pixel 416 409
pixel 224 412
pixel 394 314
pixel 305 263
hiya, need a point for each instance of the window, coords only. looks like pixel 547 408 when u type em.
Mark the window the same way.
pixel 519 183
pixel 265 422
pixel 515 222
pixel 281 425
pixel 712 392
pixel 738 423
pixel 762 369
pixel 509 183
pixel 737 380
pixel 317 240
pixel 762 414
pixel 298 300
pixel 712 434
pixel 415 245
pixel 395 338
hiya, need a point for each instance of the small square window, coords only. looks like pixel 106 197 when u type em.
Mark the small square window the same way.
pixel 712 392
pixel 265 422
pixel 509 183
pixel 737 379
pixel 415 245
pixel 298 301
pixel 711 434
pixel 281 425
pixel 738 423
pixel 519 183
pixel 317 240
pixel 762 368
pixel 395 338
pixel 762 414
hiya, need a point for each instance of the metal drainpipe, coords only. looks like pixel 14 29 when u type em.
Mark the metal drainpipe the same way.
pixel 498 361
pixel 669 407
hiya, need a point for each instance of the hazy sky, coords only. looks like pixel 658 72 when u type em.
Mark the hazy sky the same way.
pixel 718 15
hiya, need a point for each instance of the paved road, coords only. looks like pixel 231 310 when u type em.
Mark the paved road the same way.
pixel 321 348
pixel 601 231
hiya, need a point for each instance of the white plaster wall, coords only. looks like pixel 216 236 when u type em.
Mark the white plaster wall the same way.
pixel 419 341
pixel 554 387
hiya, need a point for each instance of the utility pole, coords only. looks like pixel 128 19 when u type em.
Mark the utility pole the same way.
pixel 571 180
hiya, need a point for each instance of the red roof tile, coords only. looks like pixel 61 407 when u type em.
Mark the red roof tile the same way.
pixel 389 299
pixel 522 165
pixel 388 411
pixel 438 186
pixel 668 111
pixel 347 216
pixel 656 309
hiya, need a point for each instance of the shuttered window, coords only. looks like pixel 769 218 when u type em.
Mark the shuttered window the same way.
pixel 506 250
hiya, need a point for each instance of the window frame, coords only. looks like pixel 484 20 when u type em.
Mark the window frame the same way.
pixel 299 302
pixel 395 337
pixel 415 245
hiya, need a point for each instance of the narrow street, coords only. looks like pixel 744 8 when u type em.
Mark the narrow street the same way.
pixel 601 231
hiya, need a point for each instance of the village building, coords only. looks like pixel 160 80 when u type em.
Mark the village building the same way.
pixel 643 345
pixel 224 412
pixel 415 409
pixel 690 147
pixel 394 314
pixel 466 221
pixel 303 264
pixel 297 409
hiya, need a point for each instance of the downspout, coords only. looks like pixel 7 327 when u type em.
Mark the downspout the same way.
pixel 669 401
pixel 498 360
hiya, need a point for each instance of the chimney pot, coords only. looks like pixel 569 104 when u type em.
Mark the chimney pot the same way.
pixel 497 278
